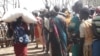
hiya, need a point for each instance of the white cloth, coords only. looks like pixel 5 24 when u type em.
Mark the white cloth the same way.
pixel 46 23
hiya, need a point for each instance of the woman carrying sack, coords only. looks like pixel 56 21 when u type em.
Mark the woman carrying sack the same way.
pixel 20 40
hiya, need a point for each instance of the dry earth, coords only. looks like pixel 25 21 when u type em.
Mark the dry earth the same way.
pixel 31 51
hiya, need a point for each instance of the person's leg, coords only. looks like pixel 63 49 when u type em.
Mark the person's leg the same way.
pixel 41 37
pixel 46 36
pixel 36 35
pixel 47 44
pixel 37 39
pixel 32 32
pixel 81 47
pixel 43 41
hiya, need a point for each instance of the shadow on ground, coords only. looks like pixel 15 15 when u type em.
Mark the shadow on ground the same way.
pixel 7 54
pixel 37 52
pixel 31 52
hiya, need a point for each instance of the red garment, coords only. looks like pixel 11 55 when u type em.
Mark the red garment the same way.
pixel 20 49
pixel 38 28
pixel 36 32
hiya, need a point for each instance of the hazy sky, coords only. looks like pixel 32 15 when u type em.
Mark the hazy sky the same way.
pixel 36 4
pixel 32 5
pixel 29 4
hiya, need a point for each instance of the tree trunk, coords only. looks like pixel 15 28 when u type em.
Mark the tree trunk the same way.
pixel 18 3
pixel 4 6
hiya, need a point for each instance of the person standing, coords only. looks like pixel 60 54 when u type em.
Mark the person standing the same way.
pixel 58 37
pixel 86 32
pixel 21 38
pixel 73 29
pixel 38 31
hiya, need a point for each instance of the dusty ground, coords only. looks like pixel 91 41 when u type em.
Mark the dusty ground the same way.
pixel 31 51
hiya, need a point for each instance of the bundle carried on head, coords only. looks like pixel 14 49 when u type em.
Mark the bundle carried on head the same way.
pixel 12 16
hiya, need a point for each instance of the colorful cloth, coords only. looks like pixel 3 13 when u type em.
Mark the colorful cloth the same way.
pixel 73 28
pixel 74 24
pixel 59 37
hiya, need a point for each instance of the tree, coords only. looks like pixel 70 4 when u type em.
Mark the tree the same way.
pixel 52 3
pixel 18 4
pixel 5 4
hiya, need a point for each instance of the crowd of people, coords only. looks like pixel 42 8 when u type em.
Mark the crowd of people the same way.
pixel 61 32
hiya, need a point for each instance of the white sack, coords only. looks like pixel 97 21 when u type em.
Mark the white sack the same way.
pixel 28 17
pixel 12 15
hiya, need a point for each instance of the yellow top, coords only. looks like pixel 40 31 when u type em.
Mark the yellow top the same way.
pixel 68 18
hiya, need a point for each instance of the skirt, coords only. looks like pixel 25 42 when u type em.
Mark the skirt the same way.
pixel 20 49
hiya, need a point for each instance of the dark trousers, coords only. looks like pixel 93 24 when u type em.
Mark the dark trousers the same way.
pixel 96 48
pixel 81 47
pixel 47 40
pixel 32 32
